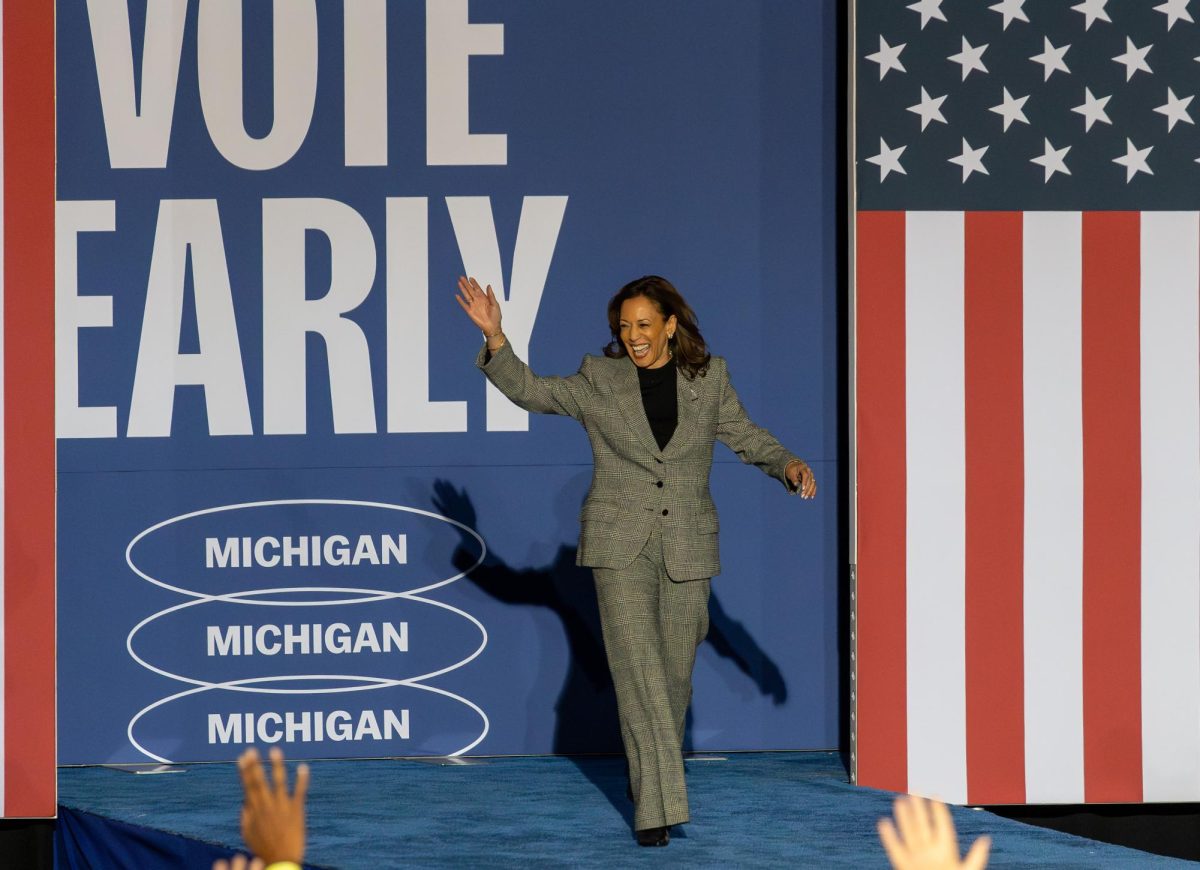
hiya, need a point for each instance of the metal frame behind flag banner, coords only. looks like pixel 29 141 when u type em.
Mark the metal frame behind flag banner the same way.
pixel 851 356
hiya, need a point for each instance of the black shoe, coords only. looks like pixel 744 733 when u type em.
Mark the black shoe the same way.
pixel 654 836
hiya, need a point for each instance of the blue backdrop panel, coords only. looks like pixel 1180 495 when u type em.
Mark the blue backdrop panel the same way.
pixel 353 587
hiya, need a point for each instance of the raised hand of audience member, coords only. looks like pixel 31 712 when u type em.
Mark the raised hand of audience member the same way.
pixel 273 819
pixel 926 839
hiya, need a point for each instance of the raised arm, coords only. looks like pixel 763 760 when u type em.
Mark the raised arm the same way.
pixel 484 310
pixel 756 446
pixel 541 395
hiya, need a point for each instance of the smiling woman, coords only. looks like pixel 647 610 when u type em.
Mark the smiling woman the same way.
pixel 643 329
pixel 651 323
pixel 652 407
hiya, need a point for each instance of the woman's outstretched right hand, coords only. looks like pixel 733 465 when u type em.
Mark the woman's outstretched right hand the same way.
pixel 481 306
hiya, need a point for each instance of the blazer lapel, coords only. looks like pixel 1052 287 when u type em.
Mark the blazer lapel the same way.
pixel 687 400
pixel 629 400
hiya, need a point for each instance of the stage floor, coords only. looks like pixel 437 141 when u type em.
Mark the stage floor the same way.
pixel 787 809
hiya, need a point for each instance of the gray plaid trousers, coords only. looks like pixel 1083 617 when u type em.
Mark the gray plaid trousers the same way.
pixel 652 626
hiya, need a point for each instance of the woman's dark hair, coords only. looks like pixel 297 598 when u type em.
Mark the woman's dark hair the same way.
pixel 687 345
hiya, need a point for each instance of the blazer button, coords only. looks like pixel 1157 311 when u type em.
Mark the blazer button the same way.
pixel 658 484
pixel 665 512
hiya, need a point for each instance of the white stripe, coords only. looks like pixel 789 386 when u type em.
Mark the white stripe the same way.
pixel 1053 650
pixel 936 495
pixel 1170 385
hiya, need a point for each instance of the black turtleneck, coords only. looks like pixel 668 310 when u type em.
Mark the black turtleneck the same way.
pixel 660 400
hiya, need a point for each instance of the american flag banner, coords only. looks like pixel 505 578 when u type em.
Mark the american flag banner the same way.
pixel 1027 399
pixel 27 634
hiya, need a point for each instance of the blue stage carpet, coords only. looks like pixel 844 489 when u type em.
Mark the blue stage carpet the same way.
pixel 750 810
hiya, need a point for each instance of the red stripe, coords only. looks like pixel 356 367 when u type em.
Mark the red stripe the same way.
pixel 995 508
pixel 881 686
pixel 1112 730
pixel 29 726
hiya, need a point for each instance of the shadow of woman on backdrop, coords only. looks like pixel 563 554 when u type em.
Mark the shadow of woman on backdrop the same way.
pixel 586 710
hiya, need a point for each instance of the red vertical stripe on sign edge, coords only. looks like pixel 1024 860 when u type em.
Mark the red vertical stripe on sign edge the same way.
pixel 29 686
pixel 1112 701
pixel 995 508
pixel 881 685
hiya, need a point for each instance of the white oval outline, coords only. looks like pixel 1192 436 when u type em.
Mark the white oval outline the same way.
pixel 297 501
pixel 240 685
pixel 244 597
pixel 132 722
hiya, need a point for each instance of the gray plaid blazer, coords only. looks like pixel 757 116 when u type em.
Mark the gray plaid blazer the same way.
pixel 634 484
